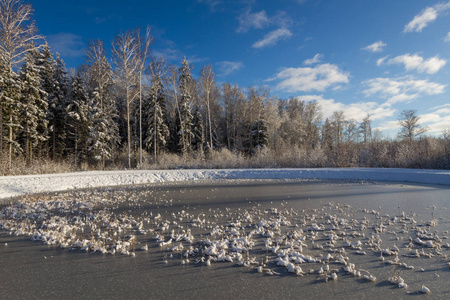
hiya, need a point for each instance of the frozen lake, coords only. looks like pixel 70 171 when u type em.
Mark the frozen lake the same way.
pixel 35 270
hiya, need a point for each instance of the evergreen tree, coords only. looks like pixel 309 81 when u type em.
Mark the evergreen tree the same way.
pixel 198 131
pixel 104 135
pixel 78 122
pixel 99 145
pixel 156 130
pixel 56 113
pixel 9 110
pixel 327 135
pixel 46 65
pixel 260 136
pixel 17 32
pixel 186 119
pixel 33 107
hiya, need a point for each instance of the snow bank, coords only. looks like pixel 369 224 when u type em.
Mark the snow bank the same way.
pixel 11 186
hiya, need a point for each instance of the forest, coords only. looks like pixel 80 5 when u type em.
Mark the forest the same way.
pixel 133 110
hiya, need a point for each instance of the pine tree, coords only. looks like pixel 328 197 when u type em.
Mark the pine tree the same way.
pixel 56 113
pixel 327 135
pixel 185 132
pixel 17 31
pixel 260 136
pixel 104 135
pixel 33 107
pixel 99 146
pixel 198 131
pixel 77 118
pixel 9 110
pixel 156 130
pixel 46 65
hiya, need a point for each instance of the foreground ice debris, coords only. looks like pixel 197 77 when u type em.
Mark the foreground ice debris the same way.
pixel 324 243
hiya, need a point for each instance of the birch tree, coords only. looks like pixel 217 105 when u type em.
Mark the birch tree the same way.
pixel 102 107
pixel 17 33
pixel 207 85
pixel 143 53
pixel 125 51
pixel 33 107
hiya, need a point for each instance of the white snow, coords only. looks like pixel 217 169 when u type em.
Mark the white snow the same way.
pixel 12 186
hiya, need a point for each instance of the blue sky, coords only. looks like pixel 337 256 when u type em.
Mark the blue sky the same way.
pixel 377 57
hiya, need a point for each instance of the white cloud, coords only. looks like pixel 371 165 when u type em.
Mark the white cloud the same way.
pixel 318 78
pixel 447 37
pixel 416 62
pixel 425 17
pixel 380 61
pixel 273 37
pixel 437 121
pixel 66 44
pixel 356 111
pixel 401 89
pixel 388 126
pixel 228 67
pixel 375 47
pixel 316 59
pixel 249 20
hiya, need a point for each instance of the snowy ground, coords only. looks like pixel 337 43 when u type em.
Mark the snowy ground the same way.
pixel 12 186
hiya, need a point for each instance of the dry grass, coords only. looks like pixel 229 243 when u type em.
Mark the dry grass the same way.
pixel 430 154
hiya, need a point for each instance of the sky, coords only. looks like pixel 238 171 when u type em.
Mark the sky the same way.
pixel 377 57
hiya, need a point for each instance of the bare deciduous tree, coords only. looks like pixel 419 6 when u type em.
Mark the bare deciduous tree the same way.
pixel 17 33
pixel 125 51
pixel 410 127
pixel 143 53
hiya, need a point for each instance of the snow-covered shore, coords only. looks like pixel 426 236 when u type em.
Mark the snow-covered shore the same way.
pixel 12 186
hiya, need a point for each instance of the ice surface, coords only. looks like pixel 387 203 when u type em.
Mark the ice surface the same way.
pixel 12 186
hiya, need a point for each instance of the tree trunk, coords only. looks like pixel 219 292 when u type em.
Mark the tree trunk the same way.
pixel 1 139
pixel 76 147
pixel 209 122
pixel 140 118
pixel 10 140
pixel 154 133
pixel 128 130
pixel 54 141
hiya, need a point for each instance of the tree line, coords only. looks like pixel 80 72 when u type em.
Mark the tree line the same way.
pixel 139 107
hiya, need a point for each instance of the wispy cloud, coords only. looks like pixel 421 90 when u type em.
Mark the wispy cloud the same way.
pixel 176 56
pixel 438 120
pixel 400 89
pixel 425 17
pixel 416 62
pixel 169 54
pixel 213 4
pixel 447 37
pixel 228 67
pixel 318 78
pixel 66 44
pixel 355 111
pixel 249 20
pixel 375 47
pixel 273 37
pixel 381 60
pixel 315 60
